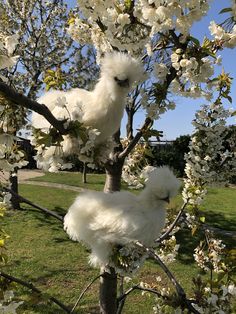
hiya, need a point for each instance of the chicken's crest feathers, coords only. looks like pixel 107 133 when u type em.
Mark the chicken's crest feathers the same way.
pixel 122 66
pixel 162 183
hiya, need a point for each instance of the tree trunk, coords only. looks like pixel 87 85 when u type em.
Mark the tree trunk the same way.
pixel 108 291
pixel 129 126
pixel 108 282
pixel 13 180
pixel 84 175
pixel 113 177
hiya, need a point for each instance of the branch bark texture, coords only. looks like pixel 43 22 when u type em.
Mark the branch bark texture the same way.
pixel 26 102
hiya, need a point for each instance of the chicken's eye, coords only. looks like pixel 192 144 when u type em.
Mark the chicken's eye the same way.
pixel 122 83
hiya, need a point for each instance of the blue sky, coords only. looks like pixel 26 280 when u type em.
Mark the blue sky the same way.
pixel 178 122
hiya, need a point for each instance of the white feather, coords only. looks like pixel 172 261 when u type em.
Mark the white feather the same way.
pixel 103 220
pixel 103 107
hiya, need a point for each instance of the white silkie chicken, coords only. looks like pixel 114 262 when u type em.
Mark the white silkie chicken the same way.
pixel 103 107
pixel 103 221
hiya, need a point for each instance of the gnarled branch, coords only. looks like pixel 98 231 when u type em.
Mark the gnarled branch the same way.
pixel 28 103
pixel 175 223
pixel 179 289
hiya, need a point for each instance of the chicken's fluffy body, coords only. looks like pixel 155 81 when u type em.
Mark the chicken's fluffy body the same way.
pixel 103 107
pixel 102 220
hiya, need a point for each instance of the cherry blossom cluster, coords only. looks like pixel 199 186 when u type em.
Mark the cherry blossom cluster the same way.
pixel 136 166
pixel 192 72
pixel 128 259
pixel 210 256
pixel 168 250
pixel 7 48
pixel 132 25
pixel 214 295
pixel 226 38
pixel 206 161
pixel 10 155
pixel 53 157
pixel 7 304
pixel 219 301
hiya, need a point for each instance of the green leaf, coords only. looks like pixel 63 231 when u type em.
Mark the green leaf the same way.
pixel 118 10
pixel 152 132
pixel 149 153
pixel 202 219
pixel 225 10
pixel 128 4
pixel 195 41
pixel 50 72
pixel 220 276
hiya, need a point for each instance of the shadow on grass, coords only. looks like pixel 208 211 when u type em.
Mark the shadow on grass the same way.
pixel 40 307
pixel 189 242
pixel 39 303
pixel 44 219
pixel 220 221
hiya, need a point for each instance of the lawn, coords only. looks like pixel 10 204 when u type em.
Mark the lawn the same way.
pixel 94 181
pixel 40 252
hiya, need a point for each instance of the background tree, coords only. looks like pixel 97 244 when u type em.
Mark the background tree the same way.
pixel 47 56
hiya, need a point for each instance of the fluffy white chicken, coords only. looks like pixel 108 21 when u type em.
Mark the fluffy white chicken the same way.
pixel 103 107
pixel 103 221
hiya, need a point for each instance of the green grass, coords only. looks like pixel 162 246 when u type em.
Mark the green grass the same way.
pixel 94 181
pixel 40 251
pixel 220 207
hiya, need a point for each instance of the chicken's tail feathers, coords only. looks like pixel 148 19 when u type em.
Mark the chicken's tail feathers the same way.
pixel 77 219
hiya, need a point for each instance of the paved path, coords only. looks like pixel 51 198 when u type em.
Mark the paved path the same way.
pixel 25 174
pixel 54 185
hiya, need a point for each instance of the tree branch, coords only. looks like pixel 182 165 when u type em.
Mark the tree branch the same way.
pixel 24 200
pixel 175 222
pixel 34 289
pixel 137 287
pixel 24 101
pixel 84 291
pixel 148 122
pixel 180 291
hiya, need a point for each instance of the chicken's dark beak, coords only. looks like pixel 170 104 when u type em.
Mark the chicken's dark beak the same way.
pixel 122 83
pixel 167 199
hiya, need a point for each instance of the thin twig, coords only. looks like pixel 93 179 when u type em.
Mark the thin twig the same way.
pixel 24 200
pixel 175 222
pixel 180 291
pixel 150 251
pixel 148 122
pixel 84 291
pixel 121 299
pixel 33 288
pixel 138 287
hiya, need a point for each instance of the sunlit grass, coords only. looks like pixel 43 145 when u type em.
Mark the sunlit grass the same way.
pixel 40 251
